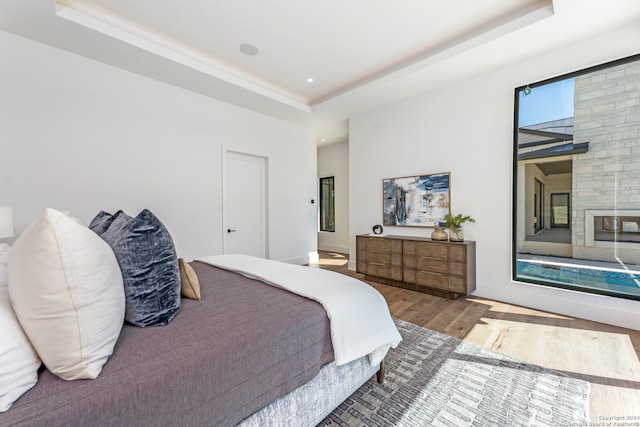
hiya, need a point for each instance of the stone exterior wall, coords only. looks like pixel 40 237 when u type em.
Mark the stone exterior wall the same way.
pixel 607 115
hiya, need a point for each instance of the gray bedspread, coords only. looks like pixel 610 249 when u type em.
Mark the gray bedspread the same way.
pixel 242 346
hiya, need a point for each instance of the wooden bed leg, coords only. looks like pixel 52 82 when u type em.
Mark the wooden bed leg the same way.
pixel 380 374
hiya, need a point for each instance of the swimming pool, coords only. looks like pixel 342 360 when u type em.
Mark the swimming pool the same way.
pixel 607 279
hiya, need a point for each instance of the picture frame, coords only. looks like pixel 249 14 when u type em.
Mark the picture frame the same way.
pixel 416 201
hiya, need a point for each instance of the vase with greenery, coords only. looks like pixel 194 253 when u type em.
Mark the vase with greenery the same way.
pixel 454 224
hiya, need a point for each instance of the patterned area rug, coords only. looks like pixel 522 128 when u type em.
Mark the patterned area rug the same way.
pixel 437 380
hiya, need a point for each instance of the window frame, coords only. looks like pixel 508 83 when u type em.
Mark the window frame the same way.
pixel 515 185
pixel 322 226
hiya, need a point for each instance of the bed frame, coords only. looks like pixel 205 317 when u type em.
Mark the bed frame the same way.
pixel 313 402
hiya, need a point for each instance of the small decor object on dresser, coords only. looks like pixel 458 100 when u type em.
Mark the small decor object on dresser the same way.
pixel 377 229
pixel 454 224
pixel 439 234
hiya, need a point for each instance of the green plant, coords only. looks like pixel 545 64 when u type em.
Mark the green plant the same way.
pixel 456 221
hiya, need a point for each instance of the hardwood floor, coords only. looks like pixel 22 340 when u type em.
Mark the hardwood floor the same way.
pixel 606 356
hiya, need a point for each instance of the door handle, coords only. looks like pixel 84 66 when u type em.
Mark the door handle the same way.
pixel 230 230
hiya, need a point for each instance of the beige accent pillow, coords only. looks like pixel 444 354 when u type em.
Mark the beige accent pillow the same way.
pixel 67 292
pixel 189 284
pixel 19 362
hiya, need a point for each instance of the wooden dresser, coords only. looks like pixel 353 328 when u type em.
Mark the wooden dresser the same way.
pixel 436 267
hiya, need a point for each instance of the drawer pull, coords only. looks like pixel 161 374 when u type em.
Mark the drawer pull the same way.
pixel 376 263
pixel 432 273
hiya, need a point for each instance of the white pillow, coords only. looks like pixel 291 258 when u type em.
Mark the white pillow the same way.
pixel 66 289
pixel 18 361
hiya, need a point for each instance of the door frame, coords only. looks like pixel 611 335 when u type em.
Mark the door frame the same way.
pixel 538 205
pixel 225 197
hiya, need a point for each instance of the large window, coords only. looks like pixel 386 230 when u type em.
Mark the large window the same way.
pixel 327 205
pixel 576 171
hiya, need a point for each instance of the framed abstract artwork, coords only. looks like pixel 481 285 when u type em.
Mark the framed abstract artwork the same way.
pixel 416 201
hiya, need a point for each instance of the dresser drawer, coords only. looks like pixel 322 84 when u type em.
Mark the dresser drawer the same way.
pixel 384 270
pixel 409 261
pixel 457 284
pixel 379 244
pixel 396 260
pixel 436 265
pixel 457 253
pixel 361 265
pixel 378 269
pixel 434 280
pixel 432 250
pixel 409 275
pixel 384 258
pixel 395 272
pixel 409 247
pixel 361 254
pixel 378 257
pixel 457 268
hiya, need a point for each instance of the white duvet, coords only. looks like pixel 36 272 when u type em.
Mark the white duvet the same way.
pixel 361 324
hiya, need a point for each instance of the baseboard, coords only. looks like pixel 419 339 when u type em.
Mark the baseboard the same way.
pixel 311 258
pixel 297 261
pixel 597 308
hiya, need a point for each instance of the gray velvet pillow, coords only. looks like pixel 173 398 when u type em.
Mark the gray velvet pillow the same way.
pixel 149 264
pixel 103 220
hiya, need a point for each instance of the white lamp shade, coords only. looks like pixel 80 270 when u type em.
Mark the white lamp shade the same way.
pixel 6 222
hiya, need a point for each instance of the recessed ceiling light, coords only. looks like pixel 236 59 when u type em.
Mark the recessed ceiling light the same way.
pixel 309 80
pixel 249 49
pixel 322 139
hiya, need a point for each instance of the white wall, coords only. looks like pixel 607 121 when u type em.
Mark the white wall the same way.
pixel 333 160
pixel 79 135
pixel 466 129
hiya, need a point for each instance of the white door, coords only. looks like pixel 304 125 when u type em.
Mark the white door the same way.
pixel 245 196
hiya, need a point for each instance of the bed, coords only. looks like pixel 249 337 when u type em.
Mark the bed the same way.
pixel 247 353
